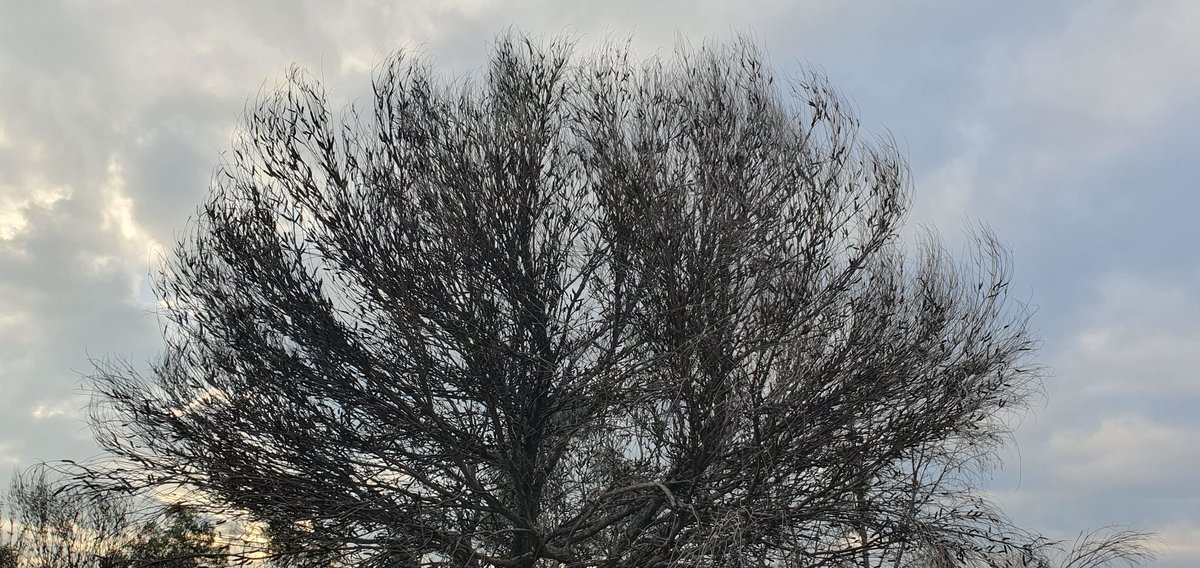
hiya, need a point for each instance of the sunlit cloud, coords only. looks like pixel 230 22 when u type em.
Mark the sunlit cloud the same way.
pixel 119 213
pixel 55 409
pixel 14 211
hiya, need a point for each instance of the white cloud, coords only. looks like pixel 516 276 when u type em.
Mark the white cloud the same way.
pixel 1122 360
pixel 1180 543
pixel 1116 432
pixel 8 458
pixel 12 322
pixel 118 215
pixel 15 209
pixel 1124 451
pixel 54 409
pixel 1138 335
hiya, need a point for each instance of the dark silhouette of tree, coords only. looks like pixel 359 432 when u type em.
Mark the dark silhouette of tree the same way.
pixel 578 313
pixel 46 522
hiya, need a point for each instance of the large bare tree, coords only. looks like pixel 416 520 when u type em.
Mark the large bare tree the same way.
pixel 578 312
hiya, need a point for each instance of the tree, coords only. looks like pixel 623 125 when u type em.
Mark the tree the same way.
pixel 580 313
pixel 8 556
pixel 47 522
pixel 179 539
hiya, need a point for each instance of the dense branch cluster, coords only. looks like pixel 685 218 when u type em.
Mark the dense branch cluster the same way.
pixel 582 312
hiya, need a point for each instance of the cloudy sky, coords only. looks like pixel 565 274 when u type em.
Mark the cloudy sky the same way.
pixel 1069 128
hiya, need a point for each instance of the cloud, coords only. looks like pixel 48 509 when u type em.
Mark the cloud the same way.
pixel 15 205
pixel 1180 544
pixel 1116 64
pixel 1138 337
pixel 55 409
pixel 1125 453
pixel 1045 114
pixel 140 248
pixel 9 459
pixel 1118 440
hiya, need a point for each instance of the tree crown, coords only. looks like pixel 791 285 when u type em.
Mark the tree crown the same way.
pixel 584 312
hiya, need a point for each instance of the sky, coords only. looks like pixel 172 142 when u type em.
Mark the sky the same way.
pixel 1067 127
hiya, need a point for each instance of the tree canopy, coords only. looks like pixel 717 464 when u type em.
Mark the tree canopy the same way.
pixel 580 311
